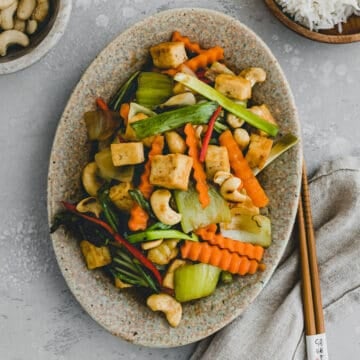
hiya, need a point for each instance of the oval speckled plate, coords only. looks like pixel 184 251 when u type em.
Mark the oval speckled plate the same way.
pixel 122 312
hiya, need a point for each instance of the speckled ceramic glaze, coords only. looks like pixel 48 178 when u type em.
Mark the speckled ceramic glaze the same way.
pixel 122 312
pixel 42 41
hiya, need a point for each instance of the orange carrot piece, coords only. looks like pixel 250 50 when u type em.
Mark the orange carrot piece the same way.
pixel 100 102
pixel 208 234
pixel 222 258
pixel 124 111
pixel 205 58
pixel 199 173
pixel 242 170
pixel 138 216
pixel 202 60
pixel 191 46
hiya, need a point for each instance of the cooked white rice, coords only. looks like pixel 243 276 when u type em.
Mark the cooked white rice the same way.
pixel 320 14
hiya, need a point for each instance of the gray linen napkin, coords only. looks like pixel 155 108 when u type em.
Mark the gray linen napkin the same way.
pixel 272 327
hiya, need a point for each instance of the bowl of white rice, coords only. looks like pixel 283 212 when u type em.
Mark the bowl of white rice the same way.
pixel 332 21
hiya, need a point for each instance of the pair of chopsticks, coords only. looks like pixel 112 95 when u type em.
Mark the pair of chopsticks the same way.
pixel 311 292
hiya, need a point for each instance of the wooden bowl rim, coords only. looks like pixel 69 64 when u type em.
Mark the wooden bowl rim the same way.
pixel 303 31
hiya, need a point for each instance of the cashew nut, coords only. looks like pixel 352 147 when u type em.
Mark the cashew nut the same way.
pixel 19 25
pixel 254 75
pixel 168 280
pixel 90 179
pixel 31 26
pixel 183 99
pixel 160 204
pixel 221 176
pixel 165 252
pixel 229 190
pixel 242 138
pixel 234 121
pixel 25 9
pixel 168 305
pixel 11 37
pixel 89 205
pixel 7 16
pixel 175 142
pixel 41 11
pixel 4 4
pixel 151 244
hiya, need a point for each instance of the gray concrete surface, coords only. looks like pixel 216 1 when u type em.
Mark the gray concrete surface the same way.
pixel 39 318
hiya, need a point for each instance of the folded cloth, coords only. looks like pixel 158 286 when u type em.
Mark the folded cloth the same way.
pixel 273 326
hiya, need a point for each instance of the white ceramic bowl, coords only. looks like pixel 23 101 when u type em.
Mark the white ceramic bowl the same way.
pixel 42 41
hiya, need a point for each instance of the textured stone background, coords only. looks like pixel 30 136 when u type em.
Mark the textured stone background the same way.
pixel 39 318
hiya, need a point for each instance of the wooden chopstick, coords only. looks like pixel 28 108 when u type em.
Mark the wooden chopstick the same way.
pixel 311 246
pixel 309 317
pixel 311 293
pixel 313 311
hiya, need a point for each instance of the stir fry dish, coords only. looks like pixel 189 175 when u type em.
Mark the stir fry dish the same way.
pixel 172 205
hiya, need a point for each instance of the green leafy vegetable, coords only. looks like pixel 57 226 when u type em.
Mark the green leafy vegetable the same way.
pixel 193 214
pixel 195 281
pixel 236 109
pixel 124 92
pixel 150 235
pixel 129 270
pixel 137 196
pixel 226 277
pixel 170 120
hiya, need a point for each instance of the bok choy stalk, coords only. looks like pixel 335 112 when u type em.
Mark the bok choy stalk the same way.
pixel 283 144
pixel 150 235
pixel 236 109
pixel 194 215
pixel 153 89
pixel 204 276
pixel 170 120
pixel 100 124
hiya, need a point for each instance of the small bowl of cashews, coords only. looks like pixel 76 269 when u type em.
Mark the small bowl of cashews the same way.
pixel 29 29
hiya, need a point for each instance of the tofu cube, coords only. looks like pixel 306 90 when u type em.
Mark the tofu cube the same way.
pixel 259 150
pixel 95 256
pixel 217 159
pixel 232 86
pixel 127 153
pixel 168 55
pixel 171 171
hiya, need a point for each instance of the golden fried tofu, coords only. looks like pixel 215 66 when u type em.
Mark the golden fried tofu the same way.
pixel 235 87
pixel 171 171
pixel 127 153
pixel 168 55
pixel 259 150
pixel 217 159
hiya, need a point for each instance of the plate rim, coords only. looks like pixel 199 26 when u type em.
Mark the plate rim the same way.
pixel 298 150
